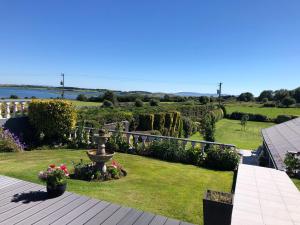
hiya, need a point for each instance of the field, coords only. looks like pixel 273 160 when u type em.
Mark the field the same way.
pixel 170 189
pixel 258 109
pixel 230 132
pixel 82 104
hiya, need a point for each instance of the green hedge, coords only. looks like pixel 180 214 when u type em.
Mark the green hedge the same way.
pixel 146 122
pixel 55 119
pixel 159 121
pixel 252 117
pixel 284 118
pixel 169 120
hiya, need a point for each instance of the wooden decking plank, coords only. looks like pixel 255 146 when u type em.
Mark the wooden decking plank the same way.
pixel 5 184
pixel 14 187
pixel 62 211
pixel 158 220
pixel 10 203
pixel 4 181
pixel 144 219
pixel 83 218
pixel 103 215
pixel 76 212
pixel 117 216
pixel 14 208
pixel 172 222
pixel 45 212
pixel 8 179
pixel 131 217
pixel 9 196
pixel 35 209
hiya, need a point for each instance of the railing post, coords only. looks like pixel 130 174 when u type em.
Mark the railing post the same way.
pixel 136 138
pixel 193 144
pixel 203 147
pixel 15 104
pixel 144 138
pixel 1 110
pixel 88 131
pixel 23 108
pixel 128 138
pixel 7 111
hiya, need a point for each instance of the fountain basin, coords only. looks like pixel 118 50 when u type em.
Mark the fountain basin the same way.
pixel 92 154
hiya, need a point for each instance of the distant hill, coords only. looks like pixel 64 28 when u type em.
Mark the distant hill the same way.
pixel 193 94
pixel 96 92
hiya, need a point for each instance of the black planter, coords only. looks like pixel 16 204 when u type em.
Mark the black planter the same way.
pixel 217 212
pixel 56 191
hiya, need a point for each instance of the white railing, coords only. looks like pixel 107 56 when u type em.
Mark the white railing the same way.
pixel 13 108
pixel 134 138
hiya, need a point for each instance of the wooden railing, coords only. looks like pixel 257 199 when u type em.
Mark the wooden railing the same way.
pixel 13 108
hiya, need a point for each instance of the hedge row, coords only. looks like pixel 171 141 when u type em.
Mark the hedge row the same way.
pixel 252 117
pixel 167 123
pixel 260 117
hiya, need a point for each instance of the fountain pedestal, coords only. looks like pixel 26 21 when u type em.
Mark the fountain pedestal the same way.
pixel 99 155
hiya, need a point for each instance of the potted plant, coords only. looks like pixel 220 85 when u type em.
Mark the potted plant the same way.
pixel 217 208
pixel 56 179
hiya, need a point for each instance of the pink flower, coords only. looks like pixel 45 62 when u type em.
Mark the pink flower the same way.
pixel 63 167
pixel 114 164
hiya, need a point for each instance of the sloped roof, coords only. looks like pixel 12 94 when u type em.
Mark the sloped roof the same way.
pixel 282 138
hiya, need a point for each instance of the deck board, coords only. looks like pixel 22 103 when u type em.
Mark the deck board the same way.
pixel 23 202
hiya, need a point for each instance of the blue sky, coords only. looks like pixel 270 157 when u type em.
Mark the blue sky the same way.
pixel 157 45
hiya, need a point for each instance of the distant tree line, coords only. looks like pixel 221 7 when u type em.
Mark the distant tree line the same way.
pixel 111 97
pixel 270 98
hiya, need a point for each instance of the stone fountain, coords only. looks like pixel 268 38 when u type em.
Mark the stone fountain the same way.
pixel 99 155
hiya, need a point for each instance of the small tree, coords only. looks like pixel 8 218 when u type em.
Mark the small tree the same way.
pixel 244 121
pixel 138 103
pixel 110 96
pixel 246 97
pixel 107 104
pixel 292 163
pixel 13 97
pixel 204 100
pixel 154 102
pixel 288 101
pixel 82 97
pixel 208 127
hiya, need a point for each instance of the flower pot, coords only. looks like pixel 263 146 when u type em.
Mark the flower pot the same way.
pixel 55 191
pixel 217 211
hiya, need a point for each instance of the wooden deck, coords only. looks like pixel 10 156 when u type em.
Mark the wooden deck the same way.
pixel 23 202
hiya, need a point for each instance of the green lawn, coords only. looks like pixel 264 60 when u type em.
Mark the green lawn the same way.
pixel 297 183
pixel 170 189
pixel 258 109
pixel 230 132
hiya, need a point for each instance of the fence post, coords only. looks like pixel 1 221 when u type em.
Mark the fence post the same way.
pixel 7 112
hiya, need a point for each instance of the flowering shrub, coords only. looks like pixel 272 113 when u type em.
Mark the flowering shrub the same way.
pixel 54 175
pixel 221 158
pixel 88 171
pixel 10 142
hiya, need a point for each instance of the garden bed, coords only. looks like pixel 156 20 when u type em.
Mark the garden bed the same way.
pixel 170 189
